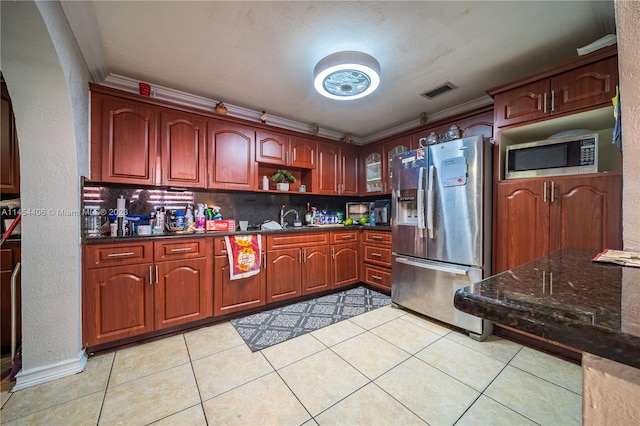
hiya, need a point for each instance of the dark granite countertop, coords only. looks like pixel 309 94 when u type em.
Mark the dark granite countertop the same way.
pixel 289 229
pixel 567 298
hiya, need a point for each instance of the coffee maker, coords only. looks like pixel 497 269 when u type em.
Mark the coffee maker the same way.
pixel 382 211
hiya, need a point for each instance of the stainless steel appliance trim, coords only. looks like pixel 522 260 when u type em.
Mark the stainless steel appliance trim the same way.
pixel 459 270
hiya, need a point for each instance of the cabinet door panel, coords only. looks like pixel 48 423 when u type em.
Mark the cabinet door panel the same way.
pixel 284 274
pixel 523 104
pixel 231 157
pixel 183 292
pixel 373 182
pixel 303 153
pixel 328 169
pixel 349 172
pixel 522 223
pixel 586 213
pixel 272 147
pixel 316 271
pixel 237 295
pixel 183 149
pixel 128 142
pixel 587 86
pixel 117 303
pixel 346 262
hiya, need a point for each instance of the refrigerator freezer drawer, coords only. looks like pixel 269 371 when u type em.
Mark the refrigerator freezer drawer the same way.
pixel 428 287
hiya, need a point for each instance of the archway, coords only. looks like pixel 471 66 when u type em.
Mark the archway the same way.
pixel 47 81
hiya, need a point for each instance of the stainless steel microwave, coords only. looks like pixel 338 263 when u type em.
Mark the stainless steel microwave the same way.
pixel 552 157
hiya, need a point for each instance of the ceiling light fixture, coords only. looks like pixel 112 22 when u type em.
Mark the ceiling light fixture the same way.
pixel 347 75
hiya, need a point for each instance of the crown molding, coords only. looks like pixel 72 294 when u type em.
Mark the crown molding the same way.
pixel 176 96
pixel 82 20
pixel 458 109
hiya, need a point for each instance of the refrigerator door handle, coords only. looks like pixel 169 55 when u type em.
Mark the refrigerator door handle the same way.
pixel 420 199
pixel 430 204
pixel 459 270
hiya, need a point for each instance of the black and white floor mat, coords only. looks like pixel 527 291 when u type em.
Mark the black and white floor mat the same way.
pixel 268 328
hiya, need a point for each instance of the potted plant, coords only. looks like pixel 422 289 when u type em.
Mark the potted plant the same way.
pixel 283 178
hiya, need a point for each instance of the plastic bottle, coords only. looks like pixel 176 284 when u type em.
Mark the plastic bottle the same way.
pixel 188 218
pixel 265 183
pixel 372 218
pixel 200 218
pixel 216 213
pixel 180 220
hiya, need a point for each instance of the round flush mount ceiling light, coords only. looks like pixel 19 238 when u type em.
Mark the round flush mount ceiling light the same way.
pixel 347 75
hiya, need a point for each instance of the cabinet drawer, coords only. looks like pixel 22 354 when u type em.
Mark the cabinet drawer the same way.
pixel 377 276
pixel 345 236
pixel 220 247
pixel 180 249
pixel 297 240
pixel 377 237
pixel 103 255
pixel 377 254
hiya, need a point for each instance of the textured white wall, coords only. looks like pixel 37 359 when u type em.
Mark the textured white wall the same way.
pixel 47 81
pixel 627 19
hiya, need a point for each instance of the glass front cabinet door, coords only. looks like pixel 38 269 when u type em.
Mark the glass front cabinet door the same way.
pixel 397 149
pixel 373 172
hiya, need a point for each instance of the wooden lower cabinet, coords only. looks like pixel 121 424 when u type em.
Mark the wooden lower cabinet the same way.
pixel 377 276
pixel 539 215
pixel 235 295
pixel 376 254
pixel 345 264
pixel 284 274
pixel 316 273
pixel 118 303
pixel 126 294
pixel 183 292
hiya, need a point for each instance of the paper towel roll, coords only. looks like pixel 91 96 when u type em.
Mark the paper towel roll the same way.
pixel 121 206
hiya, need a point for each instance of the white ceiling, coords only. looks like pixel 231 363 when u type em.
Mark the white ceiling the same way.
pixel 260 55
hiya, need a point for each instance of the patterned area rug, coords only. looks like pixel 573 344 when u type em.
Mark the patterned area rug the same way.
pixel 265 329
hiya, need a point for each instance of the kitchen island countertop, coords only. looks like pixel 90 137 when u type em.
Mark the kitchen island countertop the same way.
pixel 565 297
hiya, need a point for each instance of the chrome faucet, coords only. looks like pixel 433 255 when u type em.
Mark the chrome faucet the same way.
pixel 283 214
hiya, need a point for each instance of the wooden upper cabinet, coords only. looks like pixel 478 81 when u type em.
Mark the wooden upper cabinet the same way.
pixel 586 83
pixel 182 139
pixel 303 153
pixel 9 160
pixel 391 148
pixel 586 86
pixel 328 168
pixel 337 170
pixel 230 156
pixel 526 103
pixel 285 150
pixel 349 172
pixel 127 133
pixel 272 147
pixel 372 174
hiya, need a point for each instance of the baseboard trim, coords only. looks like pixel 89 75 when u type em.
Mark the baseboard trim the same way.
pixel 36 376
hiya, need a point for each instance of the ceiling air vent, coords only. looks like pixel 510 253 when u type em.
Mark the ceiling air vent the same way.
pixel 439 90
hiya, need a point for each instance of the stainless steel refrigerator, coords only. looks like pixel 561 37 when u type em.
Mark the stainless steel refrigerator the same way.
pixel 441 228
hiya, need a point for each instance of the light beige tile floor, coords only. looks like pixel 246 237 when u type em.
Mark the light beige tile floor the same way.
pixel 387 367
